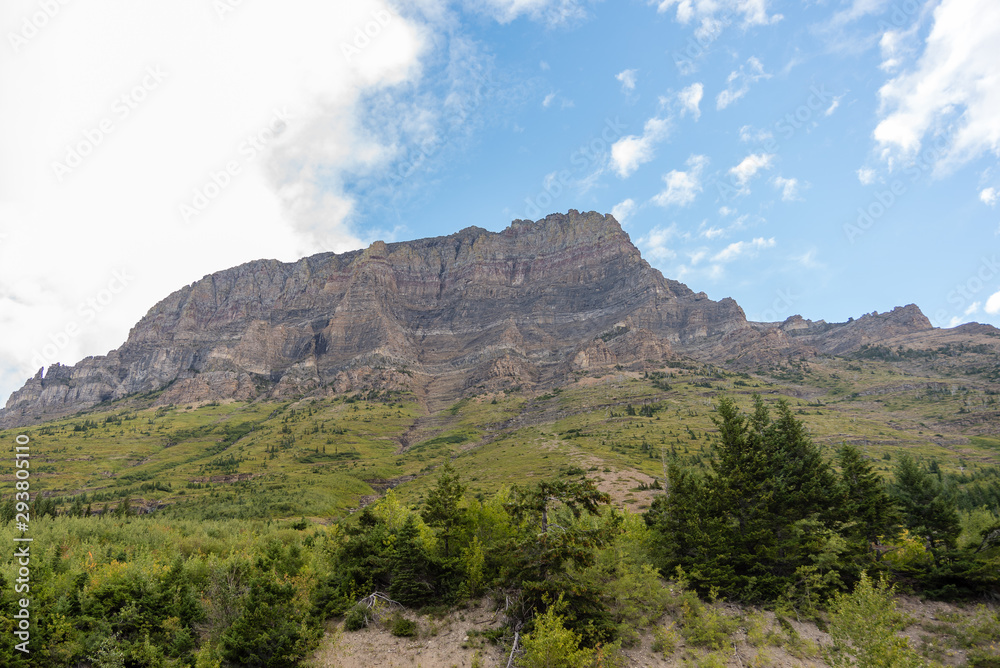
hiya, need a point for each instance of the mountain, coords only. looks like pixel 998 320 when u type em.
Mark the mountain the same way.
pixel 474 310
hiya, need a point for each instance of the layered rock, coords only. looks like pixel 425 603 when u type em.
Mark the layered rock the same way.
pixel 475 309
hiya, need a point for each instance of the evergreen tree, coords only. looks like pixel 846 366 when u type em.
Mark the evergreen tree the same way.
pixel 865 501
pixel 441 509
pixel 927 508
pixel 763 513
pixel 414 578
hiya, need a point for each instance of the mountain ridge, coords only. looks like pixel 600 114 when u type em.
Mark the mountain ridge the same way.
pixel 439 316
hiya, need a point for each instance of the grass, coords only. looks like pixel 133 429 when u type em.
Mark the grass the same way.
pixel 320 457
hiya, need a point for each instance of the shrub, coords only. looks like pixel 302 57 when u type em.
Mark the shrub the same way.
pixel 402 627
pixel 865 624
pixel 355 619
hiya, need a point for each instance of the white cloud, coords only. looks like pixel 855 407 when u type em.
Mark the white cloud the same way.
pixel 750 165
pixel 866 176
pixel 682 187
pixel 973 307
pixel 712 233
pixel 549 99
pixel 751 134
pixel 715 14
pixel 993 304
pixel 726 211
pixel 655 244
pixel 623 210
pixel 833 105
pixel 627 79
pixel 740 249
pixel 352 109
pixel 989 196
pixel 738 82
pixel 629 152
pixel 552 12
pixel 789 188
pixel 690 98
pixel 950 94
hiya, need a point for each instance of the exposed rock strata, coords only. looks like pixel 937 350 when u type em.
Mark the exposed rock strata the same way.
pixel 475 309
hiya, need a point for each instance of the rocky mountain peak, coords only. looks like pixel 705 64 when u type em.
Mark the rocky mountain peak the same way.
pixel 440 317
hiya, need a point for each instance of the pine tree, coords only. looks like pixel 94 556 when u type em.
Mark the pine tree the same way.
pixel 441 509
pixel 413 578
pixel 927 508
pixel 865 501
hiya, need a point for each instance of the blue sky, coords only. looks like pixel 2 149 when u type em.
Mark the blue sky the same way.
pixel 826 159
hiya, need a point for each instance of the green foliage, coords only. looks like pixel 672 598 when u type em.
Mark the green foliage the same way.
pixel 762 519
pixel 402 627
pixel 927 507
pixel 552 645
pixel 865 625
pixel 441 510
pixel 867 505
pixel 704 625
pixel 356 618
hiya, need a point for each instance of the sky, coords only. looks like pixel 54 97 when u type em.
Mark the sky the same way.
pixel 827 158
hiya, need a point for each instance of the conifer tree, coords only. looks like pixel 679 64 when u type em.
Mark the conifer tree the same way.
pixel 866 504
pixel 927 508
pixel 441 509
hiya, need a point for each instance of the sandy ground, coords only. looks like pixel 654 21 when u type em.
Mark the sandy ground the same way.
pixel 453 641
pixel 440 643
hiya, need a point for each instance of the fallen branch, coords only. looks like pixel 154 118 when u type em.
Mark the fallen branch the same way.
pixel 513 649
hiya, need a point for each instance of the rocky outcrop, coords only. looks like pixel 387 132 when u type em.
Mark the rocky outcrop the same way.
pixel 440 316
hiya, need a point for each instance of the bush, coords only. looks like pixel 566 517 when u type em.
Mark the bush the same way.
pixel 402 627
pixel 552 645
pixel 355 619
pixel 864 626
pixel 704 625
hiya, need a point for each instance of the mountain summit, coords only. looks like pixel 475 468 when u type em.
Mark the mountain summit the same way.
pixel 441 316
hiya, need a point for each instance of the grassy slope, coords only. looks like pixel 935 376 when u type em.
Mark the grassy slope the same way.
pixel 321 457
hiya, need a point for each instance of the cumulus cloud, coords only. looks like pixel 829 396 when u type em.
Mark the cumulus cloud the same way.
pixel 950 93
pixel 682 186
pixel 627 79
pixel 623 210
pixel 553 12
pixel 789 188
pixel 748 168
pixel 226 132
pixel 754 135
pixel 628 153
pixel 866 176
pixel 993 304
pixel 989 196
pixel 714 14
pixel 738 82
pixel 740 249
pixel 656 244
pixel 690 98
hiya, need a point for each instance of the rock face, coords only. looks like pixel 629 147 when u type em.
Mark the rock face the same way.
pixel 439 316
